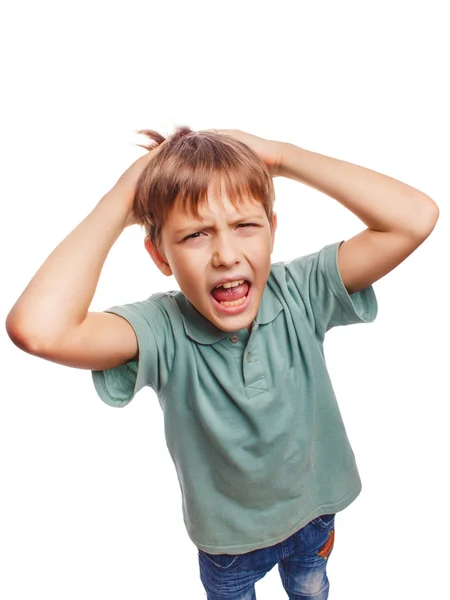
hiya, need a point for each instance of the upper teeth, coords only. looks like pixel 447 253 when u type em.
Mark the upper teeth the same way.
pixel 229 284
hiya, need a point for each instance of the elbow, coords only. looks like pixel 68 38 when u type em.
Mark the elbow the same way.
pixel 23 340
pixel 428 219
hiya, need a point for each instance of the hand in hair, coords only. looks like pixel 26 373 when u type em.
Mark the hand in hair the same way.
pixel 269 151
pixel 127 182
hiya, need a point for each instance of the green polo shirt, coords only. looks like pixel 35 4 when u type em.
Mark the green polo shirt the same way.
pixel 251 419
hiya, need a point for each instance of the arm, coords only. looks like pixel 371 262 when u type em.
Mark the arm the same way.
pixel 51 319
pixel 399 217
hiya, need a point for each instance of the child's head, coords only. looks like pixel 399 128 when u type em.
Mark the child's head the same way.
pixel 188 199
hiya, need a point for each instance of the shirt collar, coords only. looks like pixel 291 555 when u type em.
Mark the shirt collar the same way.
pixel 198 328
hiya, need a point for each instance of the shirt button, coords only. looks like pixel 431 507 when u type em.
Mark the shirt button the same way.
pixel 234 338
pixel 249 358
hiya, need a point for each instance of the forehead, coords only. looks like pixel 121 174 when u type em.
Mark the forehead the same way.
pixel 216 206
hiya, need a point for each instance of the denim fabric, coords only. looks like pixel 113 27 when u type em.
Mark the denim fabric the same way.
pixel 302 560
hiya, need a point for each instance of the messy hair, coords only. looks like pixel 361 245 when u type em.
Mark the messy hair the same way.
pixel 184 168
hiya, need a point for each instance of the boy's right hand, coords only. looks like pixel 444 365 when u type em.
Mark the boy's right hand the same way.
pixel 125 187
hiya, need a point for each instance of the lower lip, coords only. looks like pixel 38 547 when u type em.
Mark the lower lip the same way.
pixel 233 310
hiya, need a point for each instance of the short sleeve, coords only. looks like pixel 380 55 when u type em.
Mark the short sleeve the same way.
pixel 315 281
pixel 153 329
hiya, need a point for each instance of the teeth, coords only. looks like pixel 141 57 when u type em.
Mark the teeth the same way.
pixel 235 302
pixel 229 284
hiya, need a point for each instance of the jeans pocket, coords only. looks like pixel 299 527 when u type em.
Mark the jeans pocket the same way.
pixel 222 561
pixel 324 521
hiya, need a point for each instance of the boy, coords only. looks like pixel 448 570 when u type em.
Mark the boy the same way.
pixel 236 356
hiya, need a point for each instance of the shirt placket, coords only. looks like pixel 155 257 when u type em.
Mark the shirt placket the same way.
pixel 245 348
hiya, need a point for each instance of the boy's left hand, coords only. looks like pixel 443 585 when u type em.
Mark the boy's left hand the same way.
pixel 268 150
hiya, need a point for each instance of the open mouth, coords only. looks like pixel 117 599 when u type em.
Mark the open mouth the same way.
pixel 232 297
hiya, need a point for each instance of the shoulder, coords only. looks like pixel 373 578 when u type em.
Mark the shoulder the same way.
pixel 159 302
pixel 158 315
pixel 307 275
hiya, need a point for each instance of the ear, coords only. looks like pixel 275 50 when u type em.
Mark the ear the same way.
pixel 274 227
pixel 159 260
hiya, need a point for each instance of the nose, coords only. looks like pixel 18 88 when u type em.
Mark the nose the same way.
pixel 226 251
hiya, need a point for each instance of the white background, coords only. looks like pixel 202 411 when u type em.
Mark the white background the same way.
pixel 90 503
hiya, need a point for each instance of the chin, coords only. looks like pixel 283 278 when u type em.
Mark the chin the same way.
pixel 229 324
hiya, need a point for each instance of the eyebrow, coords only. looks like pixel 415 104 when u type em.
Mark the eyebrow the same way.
pixel 205 225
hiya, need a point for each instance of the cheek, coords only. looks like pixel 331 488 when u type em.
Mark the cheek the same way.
pixel 260 252
pixel 190 269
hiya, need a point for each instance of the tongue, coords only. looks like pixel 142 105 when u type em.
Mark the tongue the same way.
pixel 229 294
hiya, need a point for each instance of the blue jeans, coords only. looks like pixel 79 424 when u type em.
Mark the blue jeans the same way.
pixel 302 561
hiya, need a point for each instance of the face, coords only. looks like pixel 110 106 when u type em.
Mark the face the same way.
pixel 228 243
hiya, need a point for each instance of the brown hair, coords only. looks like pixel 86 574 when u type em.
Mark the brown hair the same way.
pixel 183 170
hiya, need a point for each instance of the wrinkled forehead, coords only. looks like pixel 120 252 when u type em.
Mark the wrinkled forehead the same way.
pixel 218 201
pixel 220 206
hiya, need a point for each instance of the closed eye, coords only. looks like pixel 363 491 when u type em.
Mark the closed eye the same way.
pixel 240 225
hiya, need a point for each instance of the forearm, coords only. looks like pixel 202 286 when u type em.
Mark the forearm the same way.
pixel 381 202
pixel 60 293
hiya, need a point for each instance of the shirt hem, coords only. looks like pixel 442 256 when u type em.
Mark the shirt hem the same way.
pixel 244 548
